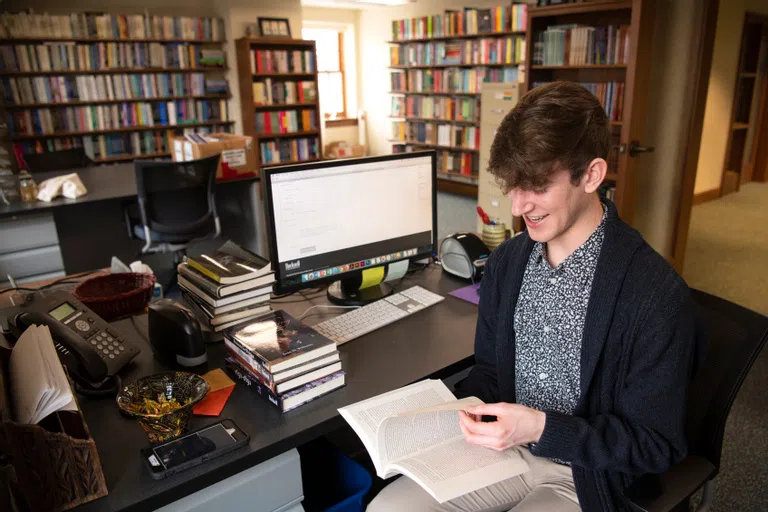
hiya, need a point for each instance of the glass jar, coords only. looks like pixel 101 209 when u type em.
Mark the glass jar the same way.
pixel 27 187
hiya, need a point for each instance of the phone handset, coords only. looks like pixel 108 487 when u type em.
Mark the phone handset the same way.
pixel 89 364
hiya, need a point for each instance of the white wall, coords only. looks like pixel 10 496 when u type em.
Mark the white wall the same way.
pixel 660 174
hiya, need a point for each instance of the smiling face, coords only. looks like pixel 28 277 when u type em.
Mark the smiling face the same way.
pixel 562 212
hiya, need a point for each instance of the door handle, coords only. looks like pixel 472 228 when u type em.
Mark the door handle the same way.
pixel 635 148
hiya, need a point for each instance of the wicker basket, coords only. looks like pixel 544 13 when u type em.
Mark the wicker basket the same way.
pixel 115 295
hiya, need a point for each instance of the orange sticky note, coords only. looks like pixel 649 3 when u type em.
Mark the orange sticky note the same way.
pixel 220 387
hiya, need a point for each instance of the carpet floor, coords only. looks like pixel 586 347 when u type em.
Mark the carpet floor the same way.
pixel 727 256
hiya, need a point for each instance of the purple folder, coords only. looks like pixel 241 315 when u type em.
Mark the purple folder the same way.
pixel 468 293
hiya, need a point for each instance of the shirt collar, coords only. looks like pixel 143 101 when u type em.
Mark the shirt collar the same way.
pixel 578 257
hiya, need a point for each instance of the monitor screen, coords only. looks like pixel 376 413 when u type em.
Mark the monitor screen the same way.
pixel 328 220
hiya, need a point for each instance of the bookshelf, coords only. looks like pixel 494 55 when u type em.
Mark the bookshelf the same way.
pixel 437 67
pixel 605 46
pixel 279 100
pixel 742 154
pixel 119 85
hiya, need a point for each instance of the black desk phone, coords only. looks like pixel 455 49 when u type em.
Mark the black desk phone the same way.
pixel 89 347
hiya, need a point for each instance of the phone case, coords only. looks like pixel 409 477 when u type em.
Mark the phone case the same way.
pixel 226 423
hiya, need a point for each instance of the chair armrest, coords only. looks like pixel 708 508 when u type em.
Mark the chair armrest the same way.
pixel 665 491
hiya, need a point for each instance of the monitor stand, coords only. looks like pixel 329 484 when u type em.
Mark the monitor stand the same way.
pixel 347 292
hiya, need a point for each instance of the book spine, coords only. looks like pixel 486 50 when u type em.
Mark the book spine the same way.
pixel 253 383
pixel 251 361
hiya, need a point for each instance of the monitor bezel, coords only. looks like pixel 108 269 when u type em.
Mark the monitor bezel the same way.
pixel 268 172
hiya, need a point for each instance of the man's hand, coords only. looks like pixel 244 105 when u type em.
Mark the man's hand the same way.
pixel 515 425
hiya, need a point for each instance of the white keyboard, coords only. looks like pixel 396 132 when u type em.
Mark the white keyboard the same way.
pixel 377 314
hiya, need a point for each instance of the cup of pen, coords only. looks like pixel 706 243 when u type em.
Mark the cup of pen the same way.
pixel 494 234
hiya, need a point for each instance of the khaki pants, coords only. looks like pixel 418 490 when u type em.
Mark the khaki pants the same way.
pixel 546 487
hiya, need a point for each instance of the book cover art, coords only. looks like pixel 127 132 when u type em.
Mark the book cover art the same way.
pixel 230 264
pixel 281 341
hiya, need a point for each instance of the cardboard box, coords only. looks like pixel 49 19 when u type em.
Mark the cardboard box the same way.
pixel 344 150
pixel 238 154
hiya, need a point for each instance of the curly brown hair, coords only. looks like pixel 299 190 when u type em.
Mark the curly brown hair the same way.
pixel 560 125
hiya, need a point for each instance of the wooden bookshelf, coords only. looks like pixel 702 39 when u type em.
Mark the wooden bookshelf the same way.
pixel 248 74
pixel 203 27
pixel 632 72
pixel 453 182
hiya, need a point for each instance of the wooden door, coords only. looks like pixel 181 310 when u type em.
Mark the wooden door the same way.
pixel 631 147
pixel 625 160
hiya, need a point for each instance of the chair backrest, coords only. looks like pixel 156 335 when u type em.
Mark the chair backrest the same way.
pixel 735 335
pixel 176 197
pixel 74 158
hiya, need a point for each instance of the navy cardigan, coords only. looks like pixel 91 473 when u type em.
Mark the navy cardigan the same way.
pixel 636 361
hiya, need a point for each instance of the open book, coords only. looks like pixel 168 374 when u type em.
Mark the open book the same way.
pixel 415 431
pixel 40 386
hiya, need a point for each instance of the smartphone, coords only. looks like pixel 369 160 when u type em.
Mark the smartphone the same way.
pixel 193 448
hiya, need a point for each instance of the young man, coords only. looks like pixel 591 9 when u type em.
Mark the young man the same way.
pixel 585 336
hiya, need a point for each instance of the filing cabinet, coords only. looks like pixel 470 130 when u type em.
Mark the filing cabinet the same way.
pixel 496 101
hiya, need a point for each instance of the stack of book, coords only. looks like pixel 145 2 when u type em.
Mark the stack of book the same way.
pixel 283 360
pixel 227 287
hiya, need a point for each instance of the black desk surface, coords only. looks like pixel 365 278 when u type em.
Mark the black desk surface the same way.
pixel 103 182
pixel 434 342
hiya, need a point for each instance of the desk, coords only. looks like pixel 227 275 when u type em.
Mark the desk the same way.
pixel 84 225
pixel 434 342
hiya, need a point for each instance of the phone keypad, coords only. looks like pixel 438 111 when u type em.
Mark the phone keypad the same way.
pixel 107 344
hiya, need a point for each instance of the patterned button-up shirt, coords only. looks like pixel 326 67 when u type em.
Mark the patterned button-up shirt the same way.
pixel 549 325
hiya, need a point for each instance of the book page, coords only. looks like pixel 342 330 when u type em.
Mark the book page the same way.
pixel 366 416
pixel 38 382
pixel 413 431
pixel 456 467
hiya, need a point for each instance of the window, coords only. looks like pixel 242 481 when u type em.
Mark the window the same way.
pixel 332 82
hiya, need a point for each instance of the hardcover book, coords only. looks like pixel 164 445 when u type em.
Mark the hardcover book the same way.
pixel 280 341
pixel 230 264
pixel 292 399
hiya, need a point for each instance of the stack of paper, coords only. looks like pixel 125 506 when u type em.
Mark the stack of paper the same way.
pixel 40 386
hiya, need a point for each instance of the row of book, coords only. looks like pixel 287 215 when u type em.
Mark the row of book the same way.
pixel 286 121
pixel 463 163
pixel 113 116
pixel 283 360
pixel 610 94
pixel 430 107
pixel 270 92
pixel 88 57
pixel 66 88
pixel 228 286
pixel 456 80
pixel 291 150
pixel 449 135
pixel 282 61
pixel 110 26
pixel 98 147
pixel 499 50
pixel 579 45
pixel 468 21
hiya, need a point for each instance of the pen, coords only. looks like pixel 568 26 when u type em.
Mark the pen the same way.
pixel 483 216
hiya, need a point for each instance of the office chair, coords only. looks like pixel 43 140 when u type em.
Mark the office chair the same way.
pixel 74 159
pixel 176 205
pixel 735 337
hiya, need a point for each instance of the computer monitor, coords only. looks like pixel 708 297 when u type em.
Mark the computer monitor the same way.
pixel 335 222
